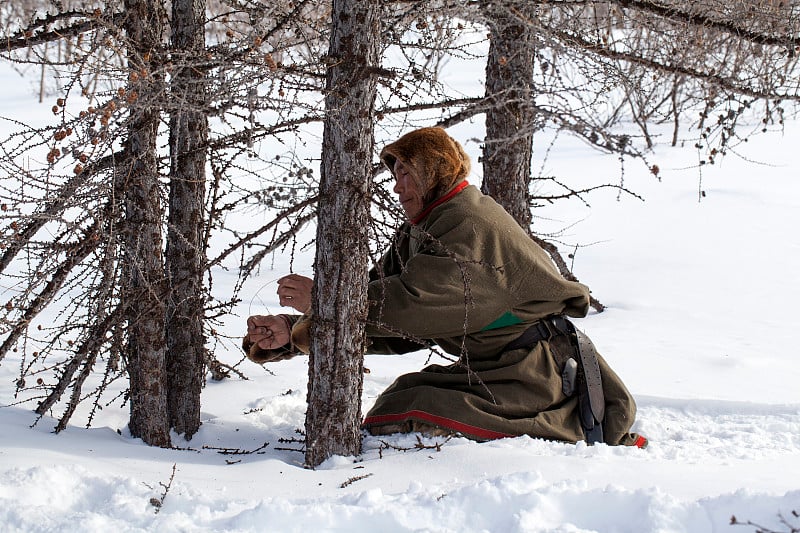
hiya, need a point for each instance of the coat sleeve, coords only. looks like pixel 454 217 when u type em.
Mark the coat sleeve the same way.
pixel 393 345
pixel 447 289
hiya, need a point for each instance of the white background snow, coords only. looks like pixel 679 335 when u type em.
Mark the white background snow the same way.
pixel 701 324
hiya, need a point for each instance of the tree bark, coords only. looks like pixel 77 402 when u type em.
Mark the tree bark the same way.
pixel 142 234
pixel 340 292
pixel 185 253
pixel 510 117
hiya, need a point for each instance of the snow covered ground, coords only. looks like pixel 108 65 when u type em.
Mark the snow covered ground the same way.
pixel 701 324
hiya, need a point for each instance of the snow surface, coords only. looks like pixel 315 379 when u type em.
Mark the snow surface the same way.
pixel 701 324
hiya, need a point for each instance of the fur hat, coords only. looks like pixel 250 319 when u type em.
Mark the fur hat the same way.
pixel 438 161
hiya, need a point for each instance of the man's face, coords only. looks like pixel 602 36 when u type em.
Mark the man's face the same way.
pixel 407 190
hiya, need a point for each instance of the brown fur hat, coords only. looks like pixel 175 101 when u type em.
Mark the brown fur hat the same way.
pixel 438 161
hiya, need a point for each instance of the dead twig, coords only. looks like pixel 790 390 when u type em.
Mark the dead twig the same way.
pixel 792 528
pixel 237 451
pixel 158 502
pixel 353 480
pixel 419 445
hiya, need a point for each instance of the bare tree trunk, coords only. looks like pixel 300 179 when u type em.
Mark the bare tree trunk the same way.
pixel 185 254
pixel 340 291
pixel 510 117
pixel 142 235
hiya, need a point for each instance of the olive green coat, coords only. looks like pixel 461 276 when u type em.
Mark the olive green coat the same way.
pixel 468 279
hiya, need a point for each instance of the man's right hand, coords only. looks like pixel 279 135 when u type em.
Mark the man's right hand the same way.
pixel 269 332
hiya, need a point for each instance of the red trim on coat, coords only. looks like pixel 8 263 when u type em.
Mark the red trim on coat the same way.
pixel 447 423
pixel 425 212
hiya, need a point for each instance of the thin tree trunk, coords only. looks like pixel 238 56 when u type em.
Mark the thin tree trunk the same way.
pixel 510 118
pixel 340 291
pixel 142 234
pixel 185 254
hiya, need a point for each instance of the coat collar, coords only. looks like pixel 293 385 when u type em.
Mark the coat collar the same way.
pixel 427 211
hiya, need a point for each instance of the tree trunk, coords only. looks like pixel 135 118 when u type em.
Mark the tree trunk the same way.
pixel 142 235
pixel 340 291
pixel 510 118
pixel 185 254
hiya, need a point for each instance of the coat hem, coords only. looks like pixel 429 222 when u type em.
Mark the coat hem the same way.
pixel 441 421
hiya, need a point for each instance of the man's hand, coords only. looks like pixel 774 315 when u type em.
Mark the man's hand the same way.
pixel 294 291
pixel 269 332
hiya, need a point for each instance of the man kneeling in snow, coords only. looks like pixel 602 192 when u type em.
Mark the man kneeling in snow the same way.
pixel 523 368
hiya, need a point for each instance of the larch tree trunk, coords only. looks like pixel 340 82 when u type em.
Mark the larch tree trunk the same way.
pixel 510 117
pixel 340 290
pixel 144 291
pixel 185 254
